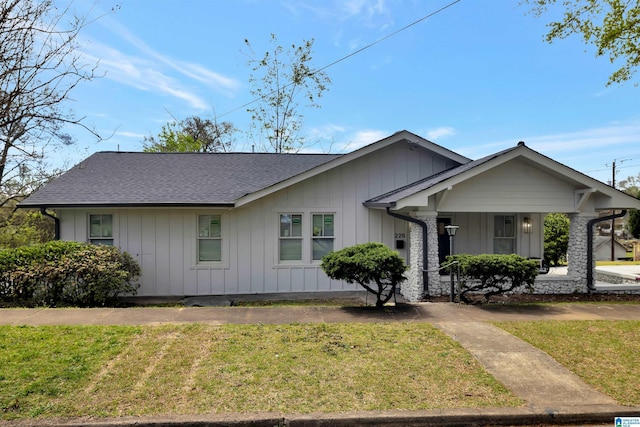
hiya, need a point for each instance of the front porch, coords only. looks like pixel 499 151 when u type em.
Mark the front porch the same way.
pixel 610 279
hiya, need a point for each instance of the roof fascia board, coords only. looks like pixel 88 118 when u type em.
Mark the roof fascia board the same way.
pixel 346 158
pixel 127 205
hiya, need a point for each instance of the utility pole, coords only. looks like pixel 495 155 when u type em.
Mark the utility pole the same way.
pixel 613 221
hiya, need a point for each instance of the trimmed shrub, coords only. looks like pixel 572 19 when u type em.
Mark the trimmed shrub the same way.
pixel 66 273
pixel 374 266
pixel 488 274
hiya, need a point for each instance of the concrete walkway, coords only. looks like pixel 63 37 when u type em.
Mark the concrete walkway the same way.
pixel 553 394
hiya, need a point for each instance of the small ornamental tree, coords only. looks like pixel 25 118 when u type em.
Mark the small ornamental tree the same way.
pixel 490 274
pixel 556 238
pixel 374 266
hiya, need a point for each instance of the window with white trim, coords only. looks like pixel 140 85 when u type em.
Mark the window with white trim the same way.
pixel 209 238
pixel 322 236
pixel 290 237
pixel 504 234
pixel 101 229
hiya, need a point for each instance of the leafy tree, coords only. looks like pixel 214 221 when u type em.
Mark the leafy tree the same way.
pixel 612 26
pixel 23 227
pixel 490 274
pixel 193 134
pixel 556 238
pixel 374 266
pixel 633 222
pixel 280 79
pixel 39 67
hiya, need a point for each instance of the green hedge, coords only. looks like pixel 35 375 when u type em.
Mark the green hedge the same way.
pixel 489 274
pixel 66 273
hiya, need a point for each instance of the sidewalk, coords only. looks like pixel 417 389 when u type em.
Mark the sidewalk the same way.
pixel 553 394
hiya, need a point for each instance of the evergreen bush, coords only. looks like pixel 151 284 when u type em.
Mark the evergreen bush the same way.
pixel 66 273
pixel 374 266
pixel 491 274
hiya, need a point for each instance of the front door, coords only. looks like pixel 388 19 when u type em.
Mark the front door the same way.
pixel 443 239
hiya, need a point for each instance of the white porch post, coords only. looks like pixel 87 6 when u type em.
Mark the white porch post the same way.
pixel 413 288
pixel 577 250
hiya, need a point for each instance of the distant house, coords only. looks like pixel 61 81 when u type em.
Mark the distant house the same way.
pixel 245 223
pixel 602 249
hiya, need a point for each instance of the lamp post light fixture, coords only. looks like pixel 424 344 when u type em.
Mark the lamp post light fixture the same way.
pixel 451 231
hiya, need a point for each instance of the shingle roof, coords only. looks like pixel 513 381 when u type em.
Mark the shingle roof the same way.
pixel 139 179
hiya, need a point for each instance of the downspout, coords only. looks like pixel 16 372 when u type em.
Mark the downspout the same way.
pixel 425 252
pixel 56 222
pixel 590 224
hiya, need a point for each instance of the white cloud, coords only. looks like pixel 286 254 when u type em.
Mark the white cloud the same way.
pixel 149 70
pixel 441 132
pixel 130 135
pixel 591 151
pixel 361 139
pixel 590 138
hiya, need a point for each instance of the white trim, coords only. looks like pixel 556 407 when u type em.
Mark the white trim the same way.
pixel 307 235
pixel 225 245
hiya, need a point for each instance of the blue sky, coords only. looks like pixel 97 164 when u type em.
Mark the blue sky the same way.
pixel 476 77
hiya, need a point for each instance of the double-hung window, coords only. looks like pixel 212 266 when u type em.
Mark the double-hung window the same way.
pixel 290 237
pixel 504 234
pixel 305 237
pixel 322 235
pixel 209 238
pixel 101 229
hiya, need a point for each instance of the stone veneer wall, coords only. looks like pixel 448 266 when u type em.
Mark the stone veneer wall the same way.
pixel 543 285
pixel 577 250
pixel 413 288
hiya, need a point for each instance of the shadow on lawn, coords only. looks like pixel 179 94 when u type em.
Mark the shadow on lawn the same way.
pixel 399 311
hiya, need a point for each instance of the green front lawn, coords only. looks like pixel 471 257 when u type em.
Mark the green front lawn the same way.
pixel 194 369
pixel 603 353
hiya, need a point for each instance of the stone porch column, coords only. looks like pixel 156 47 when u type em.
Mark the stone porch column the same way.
pixel 413 288
pixel 577 250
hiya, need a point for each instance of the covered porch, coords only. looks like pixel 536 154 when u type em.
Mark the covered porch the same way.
pixel 499 204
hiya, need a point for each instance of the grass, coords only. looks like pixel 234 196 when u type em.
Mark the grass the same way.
pixel 603 263
pixel 603 353
pixel 193 369
pixel 38 365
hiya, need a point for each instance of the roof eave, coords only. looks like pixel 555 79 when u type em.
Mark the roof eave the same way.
pixel 379 205
pixel 123 205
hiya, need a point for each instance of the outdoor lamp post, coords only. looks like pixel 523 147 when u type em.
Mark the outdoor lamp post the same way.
pixel 451 231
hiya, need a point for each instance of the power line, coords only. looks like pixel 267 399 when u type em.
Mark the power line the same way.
pixel 351 54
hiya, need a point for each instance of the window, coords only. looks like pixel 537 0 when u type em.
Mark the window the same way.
pixel 322 236
pixel 504 234
pixel 101 229
pixel 209 238
pixel 290 237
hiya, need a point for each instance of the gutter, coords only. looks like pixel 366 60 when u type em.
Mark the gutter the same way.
pixel 56 222
pixel 425 252
pixel 590 224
